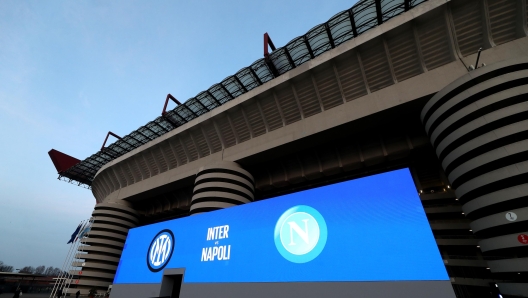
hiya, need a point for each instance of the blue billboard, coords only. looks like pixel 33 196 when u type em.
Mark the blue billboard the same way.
pixel 368 229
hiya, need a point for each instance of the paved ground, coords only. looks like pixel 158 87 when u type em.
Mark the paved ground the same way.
pixel 32 295
pixel 25 295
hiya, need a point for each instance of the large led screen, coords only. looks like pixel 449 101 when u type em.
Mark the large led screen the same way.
pixel 368 229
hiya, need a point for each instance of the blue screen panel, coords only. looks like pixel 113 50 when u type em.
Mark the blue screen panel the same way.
pixel 368 229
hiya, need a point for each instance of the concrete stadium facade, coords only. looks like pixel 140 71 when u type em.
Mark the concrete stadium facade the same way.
pixel 403 94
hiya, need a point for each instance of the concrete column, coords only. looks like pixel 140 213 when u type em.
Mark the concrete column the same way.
pixel 478 126
pixel 221 185
pixel 100 252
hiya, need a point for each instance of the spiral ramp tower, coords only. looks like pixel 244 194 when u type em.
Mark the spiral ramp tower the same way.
pixel 221 185
pixel 478 126
pixel 99 253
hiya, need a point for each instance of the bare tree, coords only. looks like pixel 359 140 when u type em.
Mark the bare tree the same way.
pixel 5 268
pixel 49 271
pixel 40 269
pixel 56 271
pixel 27 269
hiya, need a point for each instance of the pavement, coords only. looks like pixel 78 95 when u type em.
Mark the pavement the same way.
pixel 35 295
pixel 26 295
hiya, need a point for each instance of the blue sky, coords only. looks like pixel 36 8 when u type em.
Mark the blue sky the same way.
pixel 70 71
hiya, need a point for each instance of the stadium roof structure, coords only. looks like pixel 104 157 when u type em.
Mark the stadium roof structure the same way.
pixel 344 26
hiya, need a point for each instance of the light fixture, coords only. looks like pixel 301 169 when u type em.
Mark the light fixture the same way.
pixel 487 268
pixel 448 186
pixel 421 191
pixel 471 230
pixel 462 212
pixel 456 199
pixel 478 246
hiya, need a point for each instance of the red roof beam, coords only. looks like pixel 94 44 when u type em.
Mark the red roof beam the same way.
pixel 106 139
pixel 62 161
pixel 169 96
pixel 268 43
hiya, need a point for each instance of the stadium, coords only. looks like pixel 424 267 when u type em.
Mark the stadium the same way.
pixel 410 112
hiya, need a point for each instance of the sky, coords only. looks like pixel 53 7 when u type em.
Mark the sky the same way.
pixel 70 71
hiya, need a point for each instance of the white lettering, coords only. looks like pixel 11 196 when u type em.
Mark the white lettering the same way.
pixel 216 233
pixel 214 252
pixel 221 252
pixel 160 250
pixel 303 234
pixel 163 251
pixel 154 251
pixel 226 229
